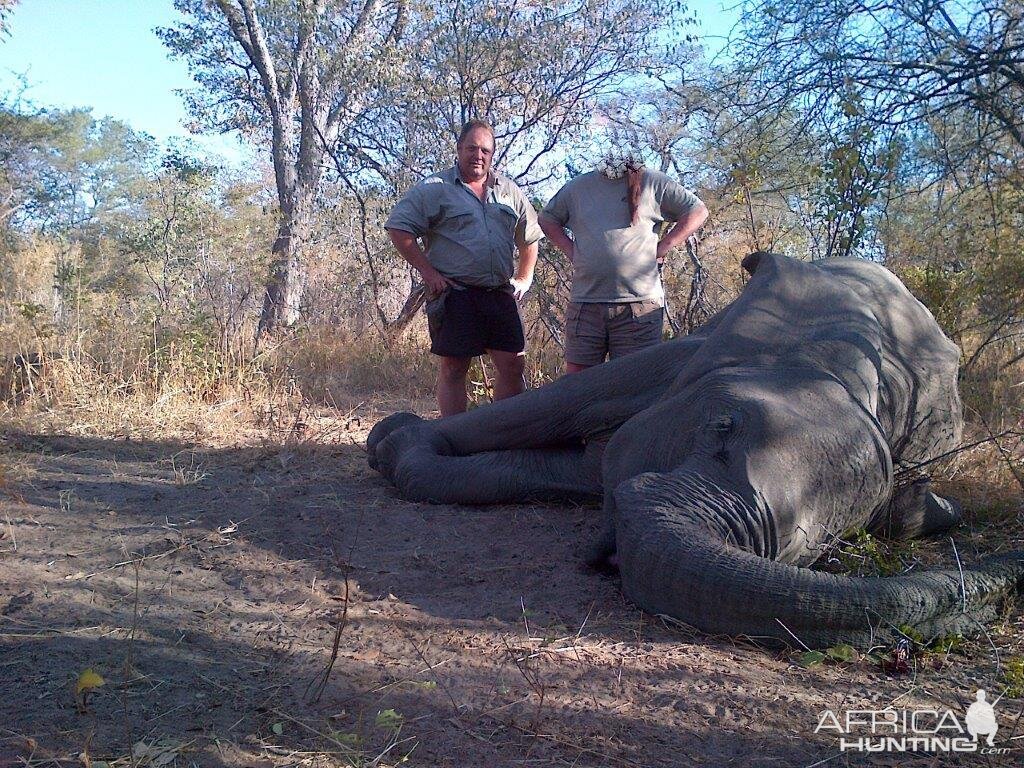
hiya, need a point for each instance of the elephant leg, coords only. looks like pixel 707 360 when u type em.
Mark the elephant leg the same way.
pixel 540 444
pixel 495 477
pixel 576 407
pixel 916 511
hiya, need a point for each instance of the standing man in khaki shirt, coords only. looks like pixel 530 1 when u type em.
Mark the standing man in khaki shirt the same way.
pixel 472 222
pixel 617 304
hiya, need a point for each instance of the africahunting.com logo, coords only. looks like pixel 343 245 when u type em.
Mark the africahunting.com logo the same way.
pixel 916 730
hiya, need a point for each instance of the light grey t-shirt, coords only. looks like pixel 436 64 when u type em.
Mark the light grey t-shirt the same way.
pixel 469 240
pixel 614 260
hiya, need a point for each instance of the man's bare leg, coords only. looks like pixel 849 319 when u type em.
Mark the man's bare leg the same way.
pixel 509 368
pixel 451 385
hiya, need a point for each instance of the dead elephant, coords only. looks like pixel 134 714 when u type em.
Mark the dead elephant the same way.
pixel 735 455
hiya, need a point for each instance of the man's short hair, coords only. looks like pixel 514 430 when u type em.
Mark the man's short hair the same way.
pixel 473 124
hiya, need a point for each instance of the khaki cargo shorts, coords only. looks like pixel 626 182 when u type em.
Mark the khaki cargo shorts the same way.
pixel 593 330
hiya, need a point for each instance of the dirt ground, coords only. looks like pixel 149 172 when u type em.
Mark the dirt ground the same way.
pixel 206 585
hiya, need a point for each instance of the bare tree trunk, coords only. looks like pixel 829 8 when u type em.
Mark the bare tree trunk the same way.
pixel 58 303
pixel 62 273
pixel 283 293
pixel 417 296
pixel 282 299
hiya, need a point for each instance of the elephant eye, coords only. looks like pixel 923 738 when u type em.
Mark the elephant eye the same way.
pixel 721 428
pixel 723 425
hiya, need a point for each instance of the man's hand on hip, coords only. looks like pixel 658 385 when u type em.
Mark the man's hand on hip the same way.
pixel 411 251
pixel 436 282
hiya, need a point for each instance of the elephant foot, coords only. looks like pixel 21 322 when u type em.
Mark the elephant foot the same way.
pixel 382 429
pixel 941 513
pixel 916 511
pixel 406 449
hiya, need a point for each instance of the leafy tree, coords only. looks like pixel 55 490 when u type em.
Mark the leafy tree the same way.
pixel 23 135
pixel 537 72
pixel 70 177
pixel 86 173
pixel 296 75
pixel 896 62
pixel 191 255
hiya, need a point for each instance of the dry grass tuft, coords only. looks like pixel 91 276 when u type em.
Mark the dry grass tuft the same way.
pixel 121 385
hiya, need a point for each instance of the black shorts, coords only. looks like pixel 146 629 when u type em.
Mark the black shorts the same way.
pixel 469 321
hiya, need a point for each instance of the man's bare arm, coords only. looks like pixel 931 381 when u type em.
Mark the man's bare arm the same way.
pixel 411 251
pixel 682 229
pixel 556 234
pixel 523 278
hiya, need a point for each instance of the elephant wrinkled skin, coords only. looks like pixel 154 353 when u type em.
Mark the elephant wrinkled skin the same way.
pixel 729 460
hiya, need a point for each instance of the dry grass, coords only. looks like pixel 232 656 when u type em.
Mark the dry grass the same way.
pixel 329 365
pixel 118 386
pixel 111 383
pixel 77 396
pixel 985 479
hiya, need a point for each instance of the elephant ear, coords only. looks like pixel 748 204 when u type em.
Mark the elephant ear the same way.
pixel 750 262
pixel 753 260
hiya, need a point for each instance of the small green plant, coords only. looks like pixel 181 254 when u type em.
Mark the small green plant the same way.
pixel 1013 677
pixel 389 719
pixel 864 555
pixel 352 740
pixel 838 654
pixel 946 644
pixel 915 637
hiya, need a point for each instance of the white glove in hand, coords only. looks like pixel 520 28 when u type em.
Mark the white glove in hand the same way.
pixel 521 287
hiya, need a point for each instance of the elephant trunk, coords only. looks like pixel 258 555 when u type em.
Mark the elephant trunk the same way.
pixel 677 539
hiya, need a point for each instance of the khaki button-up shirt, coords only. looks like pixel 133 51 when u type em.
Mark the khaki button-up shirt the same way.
pixel 468 240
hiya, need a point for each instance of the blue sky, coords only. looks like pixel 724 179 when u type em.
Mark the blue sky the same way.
pixel 103 54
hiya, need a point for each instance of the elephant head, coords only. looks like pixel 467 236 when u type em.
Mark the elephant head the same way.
pixel 722 540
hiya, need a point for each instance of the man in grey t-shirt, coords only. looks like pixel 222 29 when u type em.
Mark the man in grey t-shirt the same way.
pixel 615 214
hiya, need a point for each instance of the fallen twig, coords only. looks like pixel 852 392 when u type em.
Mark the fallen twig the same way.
pixel 315 687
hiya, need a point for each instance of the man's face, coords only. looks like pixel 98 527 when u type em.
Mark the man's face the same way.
pixel 475 153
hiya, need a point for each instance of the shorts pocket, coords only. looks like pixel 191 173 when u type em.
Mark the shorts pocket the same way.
pixel 648 310
pixel 434 309
pixel 573 315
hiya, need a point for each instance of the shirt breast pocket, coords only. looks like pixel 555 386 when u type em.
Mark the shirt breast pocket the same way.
pixel 503 217
pixel 505 212
pixel 459 217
